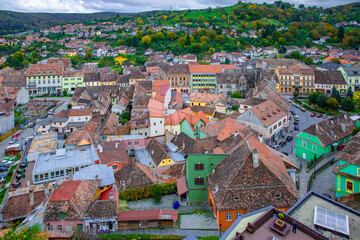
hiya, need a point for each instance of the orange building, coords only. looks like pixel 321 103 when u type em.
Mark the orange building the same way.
pixel 252 177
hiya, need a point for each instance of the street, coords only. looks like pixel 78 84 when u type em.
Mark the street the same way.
pixel 305 121
pixel 32 131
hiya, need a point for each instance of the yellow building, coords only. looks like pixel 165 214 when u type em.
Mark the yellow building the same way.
pixel 296 77
pixel 136 76
pixel 159 156
pixel 91 79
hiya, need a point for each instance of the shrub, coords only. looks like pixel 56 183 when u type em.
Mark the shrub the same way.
pixel 157 192
pixel 134 194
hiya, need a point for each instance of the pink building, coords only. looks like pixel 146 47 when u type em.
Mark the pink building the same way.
pixel 130 142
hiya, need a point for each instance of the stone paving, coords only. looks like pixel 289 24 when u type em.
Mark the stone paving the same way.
pixel 198 221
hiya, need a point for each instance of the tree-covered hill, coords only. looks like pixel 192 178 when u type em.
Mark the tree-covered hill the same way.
pixel 10 21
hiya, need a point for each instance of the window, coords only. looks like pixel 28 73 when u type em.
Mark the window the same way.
pixel 115 166
pixel 46 176
pixel 228 217
pixel 154 123
pixel 314 148
pixel 136 143
pixel 57 174
pixel 52 175
pixel 349 185
pixel 199 181
pixel 129 143
pixel 199 167
pixel 36 178
pixel 50 227
pixel 238 214
pixel 304 144
pixel 59 227
pixel 358 171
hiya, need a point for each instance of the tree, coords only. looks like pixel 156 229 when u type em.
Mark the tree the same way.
pixel 139 34
pixel 332 103
pixel 204 39
pixel 336 60
pixel 19 56
pixel 313 97
pixel 295 54
pixel 182 41
pixel 356 97
pixel 146 40
pixel 157 192
pixel 88 53
pixel 301 6
pixel 139 21
pixel 220 38
pixel 308 61
pixel 69 106
pixel 296 94
pixel 350 93
pixel 321 101
pixel 341 33
pixel 65 93
pixel 347 104
pixel 200 19
pixel 236 95
pixel 336 94
pixel 172 36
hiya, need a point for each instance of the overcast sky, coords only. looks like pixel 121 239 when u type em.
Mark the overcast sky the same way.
pixel 128 6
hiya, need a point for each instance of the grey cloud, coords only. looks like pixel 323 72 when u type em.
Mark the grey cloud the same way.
pixel 87 6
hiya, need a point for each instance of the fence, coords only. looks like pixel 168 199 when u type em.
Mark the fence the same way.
pixel 8 133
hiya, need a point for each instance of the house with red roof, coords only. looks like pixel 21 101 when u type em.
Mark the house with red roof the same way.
pixel 157 118
pixel 191 123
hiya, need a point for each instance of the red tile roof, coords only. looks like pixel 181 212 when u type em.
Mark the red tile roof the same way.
pixel 48 69
pixel 66 191
pixel 181 186
pixel 209 68
pixel 80 112
pixel 268 112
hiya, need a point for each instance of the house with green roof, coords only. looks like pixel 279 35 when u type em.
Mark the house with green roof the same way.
pixel 191 123
pixel 347 170
pixel 324 137
pixel 198 166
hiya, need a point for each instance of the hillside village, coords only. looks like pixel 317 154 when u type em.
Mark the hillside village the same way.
pixel 101 140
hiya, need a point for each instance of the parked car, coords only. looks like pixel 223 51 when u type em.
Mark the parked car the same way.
pixel 9 159
pixel 303 109
pixel 289 138
pixel 325 116
pixel 296 122
pixel 297 118
pixel 39 120
pixel 14 140
pixel 292 112
pixel 285 153
pixel 282 143
pixel 51 112
pixel 276 147
pixel 297 106
pixel 31 125
pixel 6 162
pixel 313 115
pixel 16 135
pixel 319 115
pixel 296 128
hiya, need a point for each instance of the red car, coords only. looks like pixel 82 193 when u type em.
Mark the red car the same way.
pixel 319 115
pixel 313 115
pixel 15 135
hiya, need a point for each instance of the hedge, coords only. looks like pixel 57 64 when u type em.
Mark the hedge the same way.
pixel 134 194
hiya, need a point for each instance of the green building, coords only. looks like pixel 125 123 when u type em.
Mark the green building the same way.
pixel 191 124
pixel 347 171
pixel 198 166
pixel 72 79
pixel 351 76
pixel 323 137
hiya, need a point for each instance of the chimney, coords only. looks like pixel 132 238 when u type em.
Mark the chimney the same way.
pixel 70 172
pixel 343 127
pixel 124 185
pixel 236 133
pixel 31 195
pixel 116 145
pixel 100 148
pixel 183 145
pixel 255 158
pixel 223 69
pixel 46 189
pixel 316 127
pixel 261 138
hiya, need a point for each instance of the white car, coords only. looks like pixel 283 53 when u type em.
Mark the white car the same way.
pixel 14 140
pixel 39 120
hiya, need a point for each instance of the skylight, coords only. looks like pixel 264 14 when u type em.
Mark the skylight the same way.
pixel 331 220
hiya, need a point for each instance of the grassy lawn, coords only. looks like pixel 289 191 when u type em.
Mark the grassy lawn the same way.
pixel 2 194
pixel 9 174
pixel 213 12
